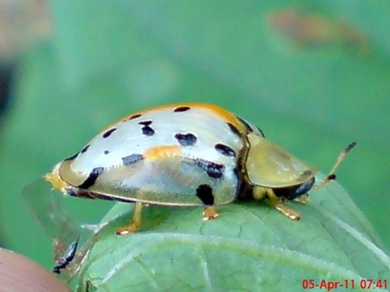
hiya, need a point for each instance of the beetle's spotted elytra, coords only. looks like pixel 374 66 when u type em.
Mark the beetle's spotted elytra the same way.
pixel 186 155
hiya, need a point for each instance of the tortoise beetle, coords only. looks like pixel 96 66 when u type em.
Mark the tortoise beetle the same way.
pixel 186 155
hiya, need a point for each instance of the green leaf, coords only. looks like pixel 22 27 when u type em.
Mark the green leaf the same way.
pixel 249 247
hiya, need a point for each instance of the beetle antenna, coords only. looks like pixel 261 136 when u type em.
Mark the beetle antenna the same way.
pixel 332 175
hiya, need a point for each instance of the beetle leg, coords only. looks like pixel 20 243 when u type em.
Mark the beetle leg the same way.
pixel 290 213
pixel 281 207
pixel 210 213
pixel 259 193
pixel 135 222
pixel 302 199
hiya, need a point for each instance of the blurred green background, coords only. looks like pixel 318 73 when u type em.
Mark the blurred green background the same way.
pixel 313 75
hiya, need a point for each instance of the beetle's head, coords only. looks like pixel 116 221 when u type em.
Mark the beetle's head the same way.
pixel 294 192
pixel 269 166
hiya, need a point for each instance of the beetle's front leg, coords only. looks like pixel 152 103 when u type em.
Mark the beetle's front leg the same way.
pixel 278 204
pixel 260 193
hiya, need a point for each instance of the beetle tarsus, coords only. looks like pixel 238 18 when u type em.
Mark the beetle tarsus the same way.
pixel 135 223
pixel 210 213
pixel 304 199
pixel 276 202
pixel 290 213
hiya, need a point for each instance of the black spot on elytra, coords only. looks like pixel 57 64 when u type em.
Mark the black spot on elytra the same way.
pixel 108 133
pixel 181 109
pixel 245 123
pixel 106 152
pixel 92 177
pixel 186 139
pixel 146 129
pixel 145 123
pixel 225 150
pixel 134 116
pixel 85 149
pixel 212 169
pixel 72 157
pixel 132 158
pixel 234 129
pixel 205 194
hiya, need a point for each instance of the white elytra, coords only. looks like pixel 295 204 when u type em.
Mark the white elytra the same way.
pixel 166 176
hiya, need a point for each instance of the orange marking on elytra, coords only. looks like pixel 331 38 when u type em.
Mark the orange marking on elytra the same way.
pixel 226 115
pixel 219 111
pixel 162 151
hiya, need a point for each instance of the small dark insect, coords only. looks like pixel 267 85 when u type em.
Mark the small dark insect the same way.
pixel 68 256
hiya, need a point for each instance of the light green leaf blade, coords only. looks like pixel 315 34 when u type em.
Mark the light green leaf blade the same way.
pixel 250 247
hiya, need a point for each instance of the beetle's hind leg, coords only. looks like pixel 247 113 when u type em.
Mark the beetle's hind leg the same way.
pixel 135 222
